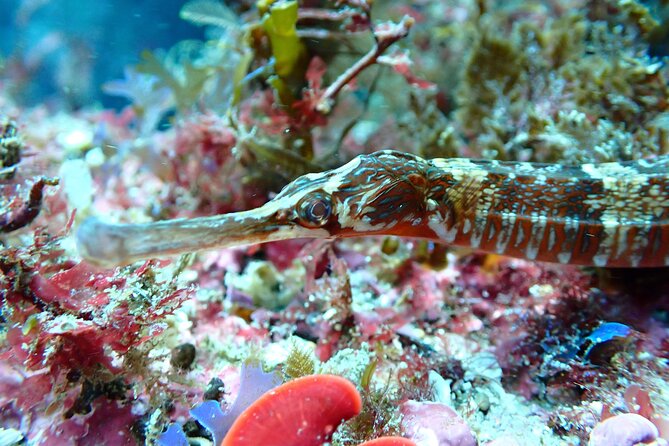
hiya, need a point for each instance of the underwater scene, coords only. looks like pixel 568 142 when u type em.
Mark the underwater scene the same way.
pixel 334 222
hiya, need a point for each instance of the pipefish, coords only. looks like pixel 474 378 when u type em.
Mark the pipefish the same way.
pixel 609 214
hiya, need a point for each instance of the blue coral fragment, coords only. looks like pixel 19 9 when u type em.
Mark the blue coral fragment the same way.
pixel 173 436
pixel 253 383
pixel 210 415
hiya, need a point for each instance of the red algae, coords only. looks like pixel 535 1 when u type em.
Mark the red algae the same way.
pixel 302 412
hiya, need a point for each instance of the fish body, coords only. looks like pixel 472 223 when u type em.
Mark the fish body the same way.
pixel 608 215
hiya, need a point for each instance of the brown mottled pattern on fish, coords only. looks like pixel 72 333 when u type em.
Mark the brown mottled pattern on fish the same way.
pixel 610 214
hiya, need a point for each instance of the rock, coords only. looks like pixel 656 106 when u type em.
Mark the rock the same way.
pixel 626 429
pixel 435 424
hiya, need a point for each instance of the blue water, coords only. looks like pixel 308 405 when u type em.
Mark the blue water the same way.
pixel 45 42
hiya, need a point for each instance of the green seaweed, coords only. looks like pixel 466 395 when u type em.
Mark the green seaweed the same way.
pixel 288 51
pixel 299 362
pixel 186 80
pixel 577 89
pixel 11 147
pixel 378 416
pixel 209 12
pixel 638 14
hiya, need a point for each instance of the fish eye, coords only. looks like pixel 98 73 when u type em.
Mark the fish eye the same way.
pixel 315 210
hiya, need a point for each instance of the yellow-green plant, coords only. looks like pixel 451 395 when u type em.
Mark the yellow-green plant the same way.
pixel 288 51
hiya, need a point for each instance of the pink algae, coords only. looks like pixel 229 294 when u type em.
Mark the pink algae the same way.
pixel 625 429
pixel 389 441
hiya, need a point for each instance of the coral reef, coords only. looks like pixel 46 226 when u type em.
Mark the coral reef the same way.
pixel 425 344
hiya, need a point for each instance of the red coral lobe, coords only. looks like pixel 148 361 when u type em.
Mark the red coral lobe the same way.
pixel 302 412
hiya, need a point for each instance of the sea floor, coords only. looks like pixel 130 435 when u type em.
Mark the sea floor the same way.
pixel 444 346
